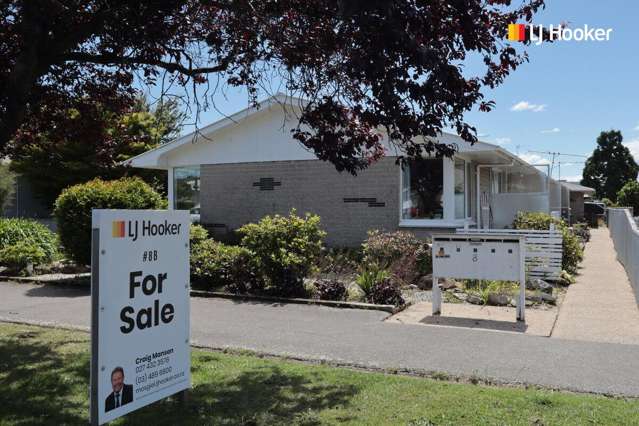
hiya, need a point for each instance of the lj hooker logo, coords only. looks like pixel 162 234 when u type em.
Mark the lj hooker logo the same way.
pixel 144 228
pixel 537 34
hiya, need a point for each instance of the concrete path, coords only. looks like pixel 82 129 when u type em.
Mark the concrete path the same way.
pixel 362 338
pixel 600 306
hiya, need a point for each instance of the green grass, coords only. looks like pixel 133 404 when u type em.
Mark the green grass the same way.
pixel 44 380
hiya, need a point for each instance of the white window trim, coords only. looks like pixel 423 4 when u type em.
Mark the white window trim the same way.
pixel 448 198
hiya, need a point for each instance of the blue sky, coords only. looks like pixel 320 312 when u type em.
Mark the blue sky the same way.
pixel 567 94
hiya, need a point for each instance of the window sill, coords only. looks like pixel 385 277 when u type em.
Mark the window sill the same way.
pixel 434 223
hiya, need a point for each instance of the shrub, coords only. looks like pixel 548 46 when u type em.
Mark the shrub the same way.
pixel 406 256
pixel 371 275
pixel 572 252
pixel 628 196
pixel 73 210
pixel 29 235
pixel 18 256
pixel 330 289
pixel 214 264
pixel 343 260
pixel 197 234
pixel 285 249
pixel 386 292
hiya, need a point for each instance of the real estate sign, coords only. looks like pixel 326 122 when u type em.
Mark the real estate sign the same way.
pixel 140 348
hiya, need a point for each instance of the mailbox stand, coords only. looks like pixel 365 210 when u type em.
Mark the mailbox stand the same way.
pixel 479 257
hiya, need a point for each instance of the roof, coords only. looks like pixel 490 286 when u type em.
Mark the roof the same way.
pixel 575 187
pixel 156 158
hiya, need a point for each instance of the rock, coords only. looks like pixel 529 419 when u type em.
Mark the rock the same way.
pixel 529 303
pixel 548 298
pixel 496 299
pixel 425 282
pixel 539 284
pixel 461 296
pixel 354 293
pixel 412 287
pixel 534 298
pixel 474 299
pixel 446 284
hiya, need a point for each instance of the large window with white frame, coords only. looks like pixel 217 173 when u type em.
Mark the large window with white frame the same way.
pixel 423 189
pixel 434 192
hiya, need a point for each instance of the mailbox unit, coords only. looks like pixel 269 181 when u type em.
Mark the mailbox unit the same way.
pixel 480 257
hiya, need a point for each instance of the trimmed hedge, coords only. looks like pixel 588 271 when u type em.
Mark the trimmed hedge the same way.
pixel 285 249
pixel 572 252
pixel 26 241
pixel 73 210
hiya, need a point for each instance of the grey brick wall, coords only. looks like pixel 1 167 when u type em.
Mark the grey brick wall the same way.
pixel 234 194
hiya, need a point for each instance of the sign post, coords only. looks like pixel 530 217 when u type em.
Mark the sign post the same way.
pixel 140 309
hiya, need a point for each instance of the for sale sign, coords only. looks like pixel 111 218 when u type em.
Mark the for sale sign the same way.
pixel 140 349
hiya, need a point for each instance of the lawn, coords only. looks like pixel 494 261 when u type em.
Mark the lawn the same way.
pixel 44 380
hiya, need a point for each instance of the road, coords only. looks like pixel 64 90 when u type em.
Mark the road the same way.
pixel 361 338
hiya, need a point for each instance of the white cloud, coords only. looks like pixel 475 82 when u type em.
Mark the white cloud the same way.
pixel 527 106
pixel 633 146
pixel 637 127
pixel 572 178
pixel 553 130
pixel 502 141
pixel 531 158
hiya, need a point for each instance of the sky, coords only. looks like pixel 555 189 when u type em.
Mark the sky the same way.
pixel 562 99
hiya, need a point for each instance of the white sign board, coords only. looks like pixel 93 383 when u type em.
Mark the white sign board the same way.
pixel 140 350
pixel 479 257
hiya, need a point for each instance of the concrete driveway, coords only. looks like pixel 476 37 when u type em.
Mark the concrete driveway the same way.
pixel 361 338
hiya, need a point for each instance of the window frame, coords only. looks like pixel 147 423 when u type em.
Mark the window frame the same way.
pixel 449 220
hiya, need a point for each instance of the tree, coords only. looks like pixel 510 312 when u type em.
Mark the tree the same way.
pixel 89 141
pixel 7 185
pixel 610 166
pixel 628 196
pixel 360 65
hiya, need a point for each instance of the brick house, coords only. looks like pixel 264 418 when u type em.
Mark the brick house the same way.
pixel 246 166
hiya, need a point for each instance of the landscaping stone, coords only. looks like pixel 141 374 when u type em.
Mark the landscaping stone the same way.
pixel 425 282
pixel 548 298
pixel 539 284
pixel 446 284
pixel 461 296
pixel 354 293
pixel 497 299
pixel 474 299
pixel 534 298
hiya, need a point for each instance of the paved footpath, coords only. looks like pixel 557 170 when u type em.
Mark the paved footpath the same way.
pixel 600 306
pixel 361 338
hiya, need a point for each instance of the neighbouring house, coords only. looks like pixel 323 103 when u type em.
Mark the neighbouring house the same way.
pixel 26 204
pixel 573 197
pixel 246 166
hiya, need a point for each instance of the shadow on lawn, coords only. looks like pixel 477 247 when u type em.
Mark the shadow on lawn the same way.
pixel 40 385
pixel 46 383
pixel 259 395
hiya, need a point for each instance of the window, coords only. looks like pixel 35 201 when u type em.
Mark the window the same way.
pixel 517 179
pixel 423 189
pixel 186 187
pixel 460 189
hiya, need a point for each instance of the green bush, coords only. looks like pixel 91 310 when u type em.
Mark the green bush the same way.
pixel 73 210
pixel 285 249
pixel 572 252
pixel 18 256
pixel 370 275
pixel 406 256
pixel 628 196
pixel 197 234
pixel 40 245
pixel 214 264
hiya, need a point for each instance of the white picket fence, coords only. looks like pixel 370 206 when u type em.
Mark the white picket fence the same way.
pixel 625 236
pixel 543 250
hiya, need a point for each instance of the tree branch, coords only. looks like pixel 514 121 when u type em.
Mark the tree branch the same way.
pixel 134 60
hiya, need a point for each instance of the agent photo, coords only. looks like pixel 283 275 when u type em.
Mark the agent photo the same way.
pixel 122 394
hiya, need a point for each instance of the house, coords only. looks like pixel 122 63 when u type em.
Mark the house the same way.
pixel 246 166
pixel 573 196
